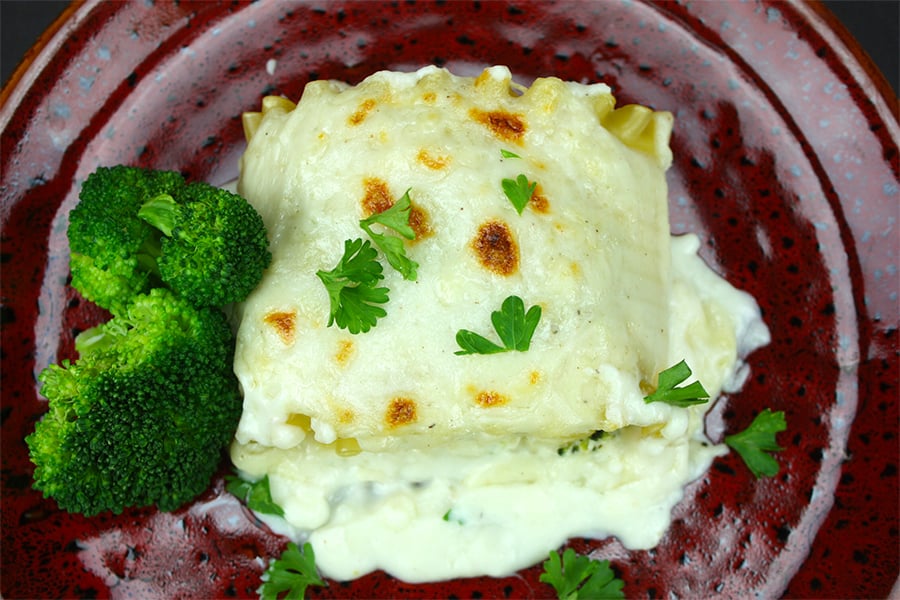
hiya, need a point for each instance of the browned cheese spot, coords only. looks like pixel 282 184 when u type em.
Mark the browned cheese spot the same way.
pixel 377 196
pixel 401 411
pixel 362 111
pixel 507 126
pixel 490 399
pixel 538 201
pixel 283 322
pixel 429 97
pixel 419 221
pixel 496 249
pixel 346 416
pixel 535 377
pixel 344 352
pixel 435 163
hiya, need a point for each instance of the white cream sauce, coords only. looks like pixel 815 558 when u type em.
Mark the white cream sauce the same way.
pixel 492 507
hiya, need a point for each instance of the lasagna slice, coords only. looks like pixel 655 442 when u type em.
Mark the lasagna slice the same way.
pixel 345 423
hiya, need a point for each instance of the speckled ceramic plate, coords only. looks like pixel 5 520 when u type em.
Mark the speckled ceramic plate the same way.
pixel 786 166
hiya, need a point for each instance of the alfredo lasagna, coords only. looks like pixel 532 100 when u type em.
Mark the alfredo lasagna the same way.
pixel 396 445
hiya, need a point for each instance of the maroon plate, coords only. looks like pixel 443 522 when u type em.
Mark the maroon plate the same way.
pixel 786 165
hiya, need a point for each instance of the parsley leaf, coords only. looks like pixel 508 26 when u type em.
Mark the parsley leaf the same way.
pixel 256 495
pixel 508 154
pixel 578 576
pixel 513 325
pixel 677 396
pixel 351 288
pixel 293 572
pixel 473 343
pixel 397 218
pixel 518 191
pixel 450 517
pixel 759 438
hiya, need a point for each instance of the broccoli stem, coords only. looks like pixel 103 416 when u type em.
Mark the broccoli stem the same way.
pixel 160 212
pixel 92 339
pixel 147 256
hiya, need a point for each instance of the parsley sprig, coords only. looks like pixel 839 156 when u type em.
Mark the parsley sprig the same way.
pixel 255 494
pixel 513 325
pixel 352 290
pixel 397 218
pixel 579 577
pixel 519 191
pixel 352 285
pixel 666 390
pixel 293 572
pixel 753 443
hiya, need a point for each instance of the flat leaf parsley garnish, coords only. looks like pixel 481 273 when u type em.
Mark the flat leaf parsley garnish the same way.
pixel 518 191
pixel 397 218
pixel 677 396
pixel 759 438
pixel 293 572
pixel 508 154
pixel 513 325
pixel 352 284
pixel 352 290
pixel 256 495
pixel 579 577
pixel 451 518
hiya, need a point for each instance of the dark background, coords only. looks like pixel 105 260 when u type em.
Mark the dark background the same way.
pixel 875 23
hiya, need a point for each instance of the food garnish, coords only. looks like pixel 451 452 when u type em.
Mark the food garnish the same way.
pixel 513 325
pixel 352 290
pixel 289 575
pixel 255 494
pixel 518 191
pixel 578 577
pixel 397 218
pixel 753 443
pixel 351 285
pixel 666 390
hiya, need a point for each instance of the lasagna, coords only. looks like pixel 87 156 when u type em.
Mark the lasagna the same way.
pixel 391 449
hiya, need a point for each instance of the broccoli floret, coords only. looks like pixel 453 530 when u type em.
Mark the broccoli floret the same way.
pixel 142 416
pixel 214 248
pixel 135 229
pixel 113 252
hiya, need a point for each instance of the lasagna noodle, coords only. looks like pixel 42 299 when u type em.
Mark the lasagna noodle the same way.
pixel 591 248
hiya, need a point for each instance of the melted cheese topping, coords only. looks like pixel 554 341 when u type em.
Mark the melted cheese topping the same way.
pixel 391 452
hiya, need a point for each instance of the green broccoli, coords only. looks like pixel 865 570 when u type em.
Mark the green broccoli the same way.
pixel 113 252
pixel 143 415
pixel 135 229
